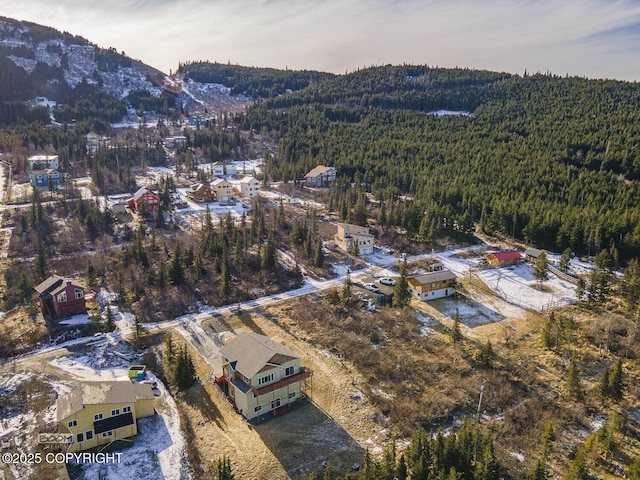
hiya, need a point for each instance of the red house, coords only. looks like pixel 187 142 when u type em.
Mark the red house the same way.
pixel 145 197
pixel 61 297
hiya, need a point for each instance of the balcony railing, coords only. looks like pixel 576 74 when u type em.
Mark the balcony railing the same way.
pixel 297 377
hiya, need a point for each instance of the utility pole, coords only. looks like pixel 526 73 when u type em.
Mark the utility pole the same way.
pixel 480 401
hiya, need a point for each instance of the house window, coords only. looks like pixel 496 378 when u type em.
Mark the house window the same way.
pixel 89 434
pixel 62 297
pixel 275 403
pixel 258 408
pixel 97 416
pixel 292 394
pixel 265 379
pixel 80 437
pixel 289 371
pixel 79 293
pixel 73 423
pixel 115 412
pixel 126 409
pixel 108 434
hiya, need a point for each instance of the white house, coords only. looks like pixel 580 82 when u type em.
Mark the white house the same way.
pixel 249 187
pixel 44 162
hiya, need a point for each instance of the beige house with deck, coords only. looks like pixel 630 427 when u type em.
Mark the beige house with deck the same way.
pixel 261 376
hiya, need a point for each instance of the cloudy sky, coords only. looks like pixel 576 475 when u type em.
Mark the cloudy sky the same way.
pixel 593 38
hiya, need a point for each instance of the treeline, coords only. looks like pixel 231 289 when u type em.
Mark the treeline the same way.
pixel 254 82
pixel 546 159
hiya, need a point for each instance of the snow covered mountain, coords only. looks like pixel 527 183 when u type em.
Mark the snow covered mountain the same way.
pixel 50 57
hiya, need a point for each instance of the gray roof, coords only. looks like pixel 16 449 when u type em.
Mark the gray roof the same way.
pixel 252 352
pixel 532 252
pixel 54 284
pixel 98 393
pixel 432 277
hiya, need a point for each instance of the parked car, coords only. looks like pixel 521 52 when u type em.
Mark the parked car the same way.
pixel 372 287
pixel 387 281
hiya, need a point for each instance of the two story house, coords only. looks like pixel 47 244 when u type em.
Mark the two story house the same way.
pixel 261 375
pixel 432 285
pixel 320 176
pixel 144 199
pixel 349 236
pixel 222 189
pixel 98 413
pixel 248 187
pixel 61 297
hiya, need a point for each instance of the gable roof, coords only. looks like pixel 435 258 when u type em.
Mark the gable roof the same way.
pixel 248 179
pixel 219 181
pixel 138 195
pixel 508 255
pixel 533 252
pixel 54 284
pixel 319 170
pixel 101 393
pixel 251 352
pixel 432 277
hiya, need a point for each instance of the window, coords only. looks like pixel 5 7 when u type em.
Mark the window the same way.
pixel 289 371
pixel 126 409
pixel 62 297
pixel 257 408
pixel 265 379
pixel 79 293
pixel 292 394
pixel 80 437
pixel 97 416
pixel 73 423
pixel 275 403
pixel 115 412
pixel 108 434
pixel 89 434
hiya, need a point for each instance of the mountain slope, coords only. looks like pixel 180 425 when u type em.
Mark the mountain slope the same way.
pixel 51 59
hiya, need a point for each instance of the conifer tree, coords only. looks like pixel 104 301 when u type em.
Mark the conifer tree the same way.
pixel 574 386
pixel 456 334
pixel 401 293
pixel 604 383
pixel 616 383
pixel 176 271
pixel 184 373
pixel 225 281
pixel 565 260
pixel 541 269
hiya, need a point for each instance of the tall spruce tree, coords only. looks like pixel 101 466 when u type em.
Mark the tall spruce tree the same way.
pixel 401 293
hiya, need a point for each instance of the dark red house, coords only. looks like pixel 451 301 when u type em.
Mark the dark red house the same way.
pixel 61 297
pixel 144 196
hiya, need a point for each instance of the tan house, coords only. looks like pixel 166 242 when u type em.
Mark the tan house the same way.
pixel 201 192
pixel 432 285
pixel 505 258
pixel 349 236
pixel 222 189
pixel 320 176
pixel 248 187
pixel 98 413
pixel 260 375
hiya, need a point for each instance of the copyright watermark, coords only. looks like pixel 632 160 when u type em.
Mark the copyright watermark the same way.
pixel 82 457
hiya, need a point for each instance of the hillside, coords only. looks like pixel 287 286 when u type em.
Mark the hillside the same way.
pixel 549 160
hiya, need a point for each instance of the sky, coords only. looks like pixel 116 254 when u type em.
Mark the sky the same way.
pixel 590 38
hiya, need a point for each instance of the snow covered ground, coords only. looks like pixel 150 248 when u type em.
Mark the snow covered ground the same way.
pixel 159 449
